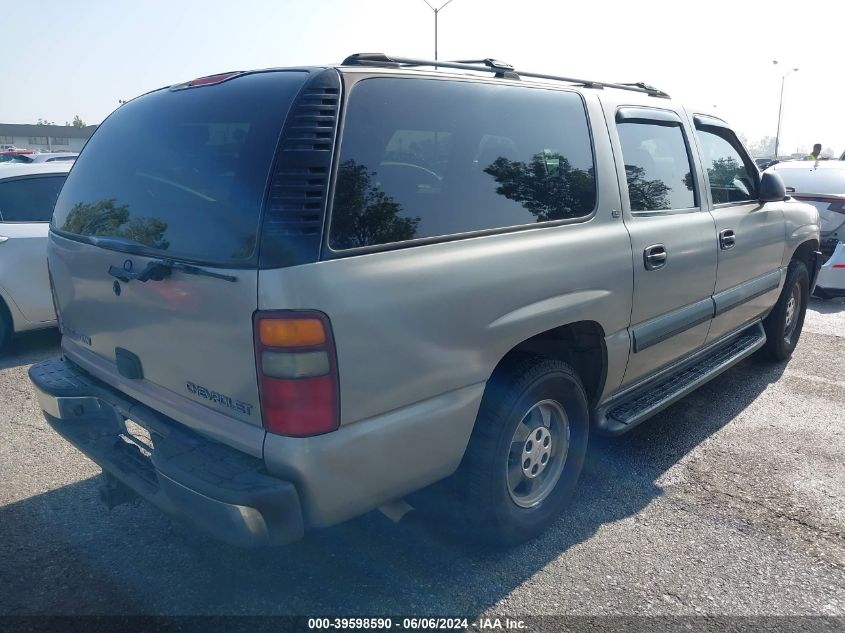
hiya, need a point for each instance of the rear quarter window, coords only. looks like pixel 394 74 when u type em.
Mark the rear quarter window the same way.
pixel 430 158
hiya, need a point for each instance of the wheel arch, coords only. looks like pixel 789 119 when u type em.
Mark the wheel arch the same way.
pixel 805 252
pixel 580 343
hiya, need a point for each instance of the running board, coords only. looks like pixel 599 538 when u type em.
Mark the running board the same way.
pixel 640 403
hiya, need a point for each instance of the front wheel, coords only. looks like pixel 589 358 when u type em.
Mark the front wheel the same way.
pixel 784 324
pixel 526 451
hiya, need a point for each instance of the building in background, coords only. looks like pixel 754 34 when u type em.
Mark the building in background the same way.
pixel 45 138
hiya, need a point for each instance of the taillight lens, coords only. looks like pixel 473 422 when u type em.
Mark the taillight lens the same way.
pixel 297 372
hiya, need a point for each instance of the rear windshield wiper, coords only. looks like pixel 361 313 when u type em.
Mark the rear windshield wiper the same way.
pixel 158 270
pixel 155 270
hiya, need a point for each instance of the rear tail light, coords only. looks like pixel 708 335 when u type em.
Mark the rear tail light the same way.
pixel 297 372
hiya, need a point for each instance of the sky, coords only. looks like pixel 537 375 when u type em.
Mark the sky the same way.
pixel 65 58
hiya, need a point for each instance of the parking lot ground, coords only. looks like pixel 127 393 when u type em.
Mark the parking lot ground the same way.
pixel 732 501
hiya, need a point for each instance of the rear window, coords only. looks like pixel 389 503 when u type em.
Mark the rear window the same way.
pixel 29 199
pixel 184 171
pixel 429 158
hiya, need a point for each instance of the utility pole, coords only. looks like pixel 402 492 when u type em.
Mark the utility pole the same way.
pixel 780 107
pixel 436 12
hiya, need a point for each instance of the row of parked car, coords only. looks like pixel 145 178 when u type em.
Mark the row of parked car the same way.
pixel 26 156
pixel 310 292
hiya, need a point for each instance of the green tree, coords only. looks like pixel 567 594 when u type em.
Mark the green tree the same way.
pixel 548 186
pixel 762 148
pixel 41 121
pixel 728 180
pixel 647 195
pixel 106 218
pixel 364 214
pixel 78 122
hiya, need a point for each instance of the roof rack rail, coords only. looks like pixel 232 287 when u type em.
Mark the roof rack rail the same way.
pixel 498 68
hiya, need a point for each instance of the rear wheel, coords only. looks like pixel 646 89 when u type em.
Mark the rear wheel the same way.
pixel 526 451
pixel 784 324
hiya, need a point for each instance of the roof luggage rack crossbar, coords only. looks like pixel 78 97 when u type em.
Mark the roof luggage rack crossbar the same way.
pixel 498 68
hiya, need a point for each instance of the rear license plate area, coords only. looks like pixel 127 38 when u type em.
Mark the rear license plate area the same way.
pixel 134 433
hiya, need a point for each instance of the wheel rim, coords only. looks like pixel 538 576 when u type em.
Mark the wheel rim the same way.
pixel 538 452
pixel 793 305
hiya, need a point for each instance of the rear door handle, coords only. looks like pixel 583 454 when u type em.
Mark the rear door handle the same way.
pixel 654 257
pixel 727 239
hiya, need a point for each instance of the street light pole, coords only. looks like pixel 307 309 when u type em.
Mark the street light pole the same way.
pixel 436 12
pixel 780 106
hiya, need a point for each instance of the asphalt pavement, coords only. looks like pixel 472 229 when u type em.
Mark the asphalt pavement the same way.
pixel 731 502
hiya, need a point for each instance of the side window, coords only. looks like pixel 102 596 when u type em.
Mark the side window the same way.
pixel 657 166
pixel 429 158
pixel 730 172
pixel 29 199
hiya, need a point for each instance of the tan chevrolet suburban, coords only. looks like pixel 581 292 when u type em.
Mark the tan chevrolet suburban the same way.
pixel 291 296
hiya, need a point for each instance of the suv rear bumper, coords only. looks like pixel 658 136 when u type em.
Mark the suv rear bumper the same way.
pixel 216 488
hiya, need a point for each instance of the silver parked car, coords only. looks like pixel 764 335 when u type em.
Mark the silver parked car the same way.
pixel 45 157
pixel 291 296
pixel 27 196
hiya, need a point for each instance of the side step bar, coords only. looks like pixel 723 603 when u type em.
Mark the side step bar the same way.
pixel 639 403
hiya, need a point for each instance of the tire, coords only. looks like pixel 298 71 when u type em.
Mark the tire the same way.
pixel 784 323
pixel 496 505
pixel 6 327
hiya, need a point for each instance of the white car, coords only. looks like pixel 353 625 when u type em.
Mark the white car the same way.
pixel 46 157
pixel 822 184
pixel 27 196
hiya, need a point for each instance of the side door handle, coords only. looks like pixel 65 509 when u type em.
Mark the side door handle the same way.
pixel 654 257
pixel 727 239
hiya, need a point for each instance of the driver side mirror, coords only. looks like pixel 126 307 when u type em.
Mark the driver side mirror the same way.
pixel 772 188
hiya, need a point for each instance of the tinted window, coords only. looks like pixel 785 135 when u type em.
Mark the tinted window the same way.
pixel 657 166
pixel 182 171
pixel 426 158
pixel 29 199
pixel 730 173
